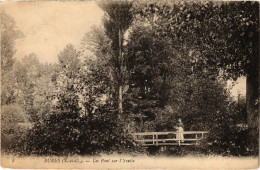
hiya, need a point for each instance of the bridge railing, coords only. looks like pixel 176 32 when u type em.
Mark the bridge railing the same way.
pixel 169 138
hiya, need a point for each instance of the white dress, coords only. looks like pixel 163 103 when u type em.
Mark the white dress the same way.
pixel 179 135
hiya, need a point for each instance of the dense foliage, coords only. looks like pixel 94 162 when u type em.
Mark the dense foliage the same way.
pixel 149 64
pixel 65 132
pixel 215 38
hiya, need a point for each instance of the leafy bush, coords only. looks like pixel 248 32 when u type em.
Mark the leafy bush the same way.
pixel 63 134
pixel 229 134
pixel 231 140
pixel 14 124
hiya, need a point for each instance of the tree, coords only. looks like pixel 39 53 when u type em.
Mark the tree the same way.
pixel 96 48
pixel 217 36
pixel 44 90
pixel 26 74
pixel 117 20
pixel 165 83
pixel 9 33
pixel 69 61
pixel 29 85
pixel 80 121
pixel 234 47
pixel 100 80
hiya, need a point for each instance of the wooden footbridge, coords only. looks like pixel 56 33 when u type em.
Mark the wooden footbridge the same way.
pixel 169 138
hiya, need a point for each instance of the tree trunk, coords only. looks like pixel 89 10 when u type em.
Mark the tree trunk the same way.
pixel 120 105
pixel 252 89
pixel 120 91
pixel 252 101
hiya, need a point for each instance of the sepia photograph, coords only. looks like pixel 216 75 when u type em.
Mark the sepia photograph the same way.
pixel 130 84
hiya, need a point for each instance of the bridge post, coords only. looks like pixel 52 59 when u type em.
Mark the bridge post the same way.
pixel 156 139
pixel 196 139
pixel 153 139
pixel 179 136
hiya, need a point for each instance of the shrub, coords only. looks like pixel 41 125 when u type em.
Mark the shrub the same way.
pixel 229 134
pixel 14 125
pixel 230 140
pixel 63 134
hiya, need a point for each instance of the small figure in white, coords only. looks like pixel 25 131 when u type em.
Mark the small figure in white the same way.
pixel 180 129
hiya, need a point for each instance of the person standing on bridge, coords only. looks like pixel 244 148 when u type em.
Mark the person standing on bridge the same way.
pixel 180 129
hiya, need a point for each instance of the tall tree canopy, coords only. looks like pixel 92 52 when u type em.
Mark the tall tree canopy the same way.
pixel 117 20
pixel 217 36
pixel 164 82
pixel 9 33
